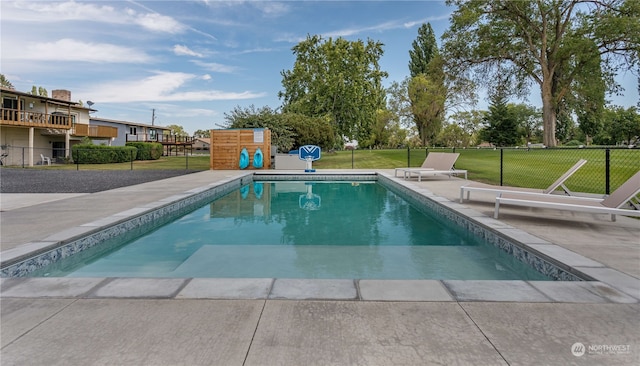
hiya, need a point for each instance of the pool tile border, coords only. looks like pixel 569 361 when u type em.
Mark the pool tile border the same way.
pixel 313 289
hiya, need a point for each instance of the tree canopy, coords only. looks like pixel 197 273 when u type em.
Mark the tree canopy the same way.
pixel 288 130
pixel 423 49
pixel 337 78
pixel 4 82
pixel 555 44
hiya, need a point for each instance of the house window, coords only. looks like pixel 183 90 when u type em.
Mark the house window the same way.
pixel 10 103
pixel 58 149
pixel 132 131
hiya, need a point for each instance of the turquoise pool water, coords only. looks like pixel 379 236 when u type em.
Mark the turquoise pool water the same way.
pixel 301 230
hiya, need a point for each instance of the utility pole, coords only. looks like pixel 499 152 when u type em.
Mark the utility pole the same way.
pixel 153 116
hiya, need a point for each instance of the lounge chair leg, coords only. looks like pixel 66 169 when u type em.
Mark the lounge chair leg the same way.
pixel 497 208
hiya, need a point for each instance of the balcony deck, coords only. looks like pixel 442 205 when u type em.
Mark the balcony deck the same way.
pixel 21 118
pixel 95 131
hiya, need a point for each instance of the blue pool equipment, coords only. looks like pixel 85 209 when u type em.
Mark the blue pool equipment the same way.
pixel 244 192
pixel 258 188
pixel 309 201
pixel 309 153
pixel 244 158
pixel 258 159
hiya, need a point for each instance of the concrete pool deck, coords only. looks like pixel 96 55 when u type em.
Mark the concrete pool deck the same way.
pixel 247 322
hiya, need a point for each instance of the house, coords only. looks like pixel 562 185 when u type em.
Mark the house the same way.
pixel 140 132
pixel 32 126
pixel 202 144
pixel 132 131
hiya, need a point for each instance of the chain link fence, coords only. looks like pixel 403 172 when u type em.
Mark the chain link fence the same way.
pixel 24 157
pixel 606 168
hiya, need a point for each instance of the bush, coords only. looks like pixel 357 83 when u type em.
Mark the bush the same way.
pixel 574 143
pixel 100 154
pixel 147 150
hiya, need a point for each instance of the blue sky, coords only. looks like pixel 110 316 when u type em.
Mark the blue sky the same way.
pixel 192 61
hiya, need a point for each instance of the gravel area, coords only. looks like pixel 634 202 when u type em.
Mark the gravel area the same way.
pixel 14 180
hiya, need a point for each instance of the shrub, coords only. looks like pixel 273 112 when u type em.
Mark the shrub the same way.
pixel 100 154
pixel 574 143
pixel 147 150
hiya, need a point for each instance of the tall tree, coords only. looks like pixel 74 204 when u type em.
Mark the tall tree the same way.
pixel 424 49
pixel 501 126
pixel 545 42
pixel 427 92
pixel 337 78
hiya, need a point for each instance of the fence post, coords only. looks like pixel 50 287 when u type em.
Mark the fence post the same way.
pixel 352 150
pixel 501 163
pixel 77 159
pixel 131 158
pixel 187 159
pixel 408 157
pixel 426 151
pixel 607 171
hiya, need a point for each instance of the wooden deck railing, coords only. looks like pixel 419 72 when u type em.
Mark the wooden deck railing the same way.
pixel 95 131
pixel 14 117
pixel 163 139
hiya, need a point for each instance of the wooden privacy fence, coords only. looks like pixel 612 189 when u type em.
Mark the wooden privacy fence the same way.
pixel 226 146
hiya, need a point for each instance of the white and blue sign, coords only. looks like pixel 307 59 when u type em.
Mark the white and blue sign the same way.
pixel 309 151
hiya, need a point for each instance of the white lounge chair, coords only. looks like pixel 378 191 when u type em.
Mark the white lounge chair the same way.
pixel 434 164
pixel 480 187
pixel 626 194
pixel 45 159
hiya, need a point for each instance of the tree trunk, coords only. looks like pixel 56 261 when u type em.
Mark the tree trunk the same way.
pixel 548 116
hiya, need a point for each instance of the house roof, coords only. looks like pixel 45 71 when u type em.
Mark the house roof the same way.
pixel 128 123
pixel 45 99
pixel 206 140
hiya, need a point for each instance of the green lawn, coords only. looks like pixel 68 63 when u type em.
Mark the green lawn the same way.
pixel 195 162
pixel 536 168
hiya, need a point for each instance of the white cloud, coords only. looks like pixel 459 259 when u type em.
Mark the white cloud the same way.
pixel 426 20
pixel 215 67
pixel 161 87
pixel 159 23
pixel 52 12
pixel 206 77
pixel 182 50
pixel 71 50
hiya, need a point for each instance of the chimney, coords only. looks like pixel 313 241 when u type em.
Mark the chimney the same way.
pixel 61 94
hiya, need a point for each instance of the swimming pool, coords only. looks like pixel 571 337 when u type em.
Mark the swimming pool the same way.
pixel 300 229
pixel 106 234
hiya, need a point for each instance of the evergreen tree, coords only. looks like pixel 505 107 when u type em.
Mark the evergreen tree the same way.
pixel 501 125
